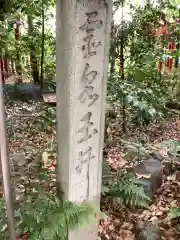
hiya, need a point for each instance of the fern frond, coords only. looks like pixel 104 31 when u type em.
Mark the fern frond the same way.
pixel 50 219
pixel 67 216
pixel 129 193
pixel 174 212
pixel 79 215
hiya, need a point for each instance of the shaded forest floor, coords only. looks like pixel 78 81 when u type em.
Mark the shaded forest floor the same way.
pixel 120 221
pixel 31 134
pixel 32 144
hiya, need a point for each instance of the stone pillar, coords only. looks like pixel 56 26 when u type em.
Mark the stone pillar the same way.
pixel 82 45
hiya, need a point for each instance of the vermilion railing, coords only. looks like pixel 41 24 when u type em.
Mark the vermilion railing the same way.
pixel 4 69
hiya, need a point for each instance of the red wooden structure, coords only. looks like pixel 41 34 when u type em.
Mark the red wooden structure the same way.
pixel 4 69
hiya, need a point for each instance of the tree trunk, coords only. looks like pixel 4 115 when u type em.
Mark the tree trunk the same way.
pixel 12 67
pixel 121 72
pixel 112 64
pixel 18 56
pixel 33 59
pixel 2 71
pixel 112 50
pixel 6 61
pixel 42 49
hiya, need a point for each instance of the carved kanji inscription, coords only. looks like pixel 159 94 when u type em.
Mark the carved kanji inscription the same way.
pixel 84 157
pixel 88 76
pixel 85 130
pixel 90 46
pixel 87 93
pixel 91 23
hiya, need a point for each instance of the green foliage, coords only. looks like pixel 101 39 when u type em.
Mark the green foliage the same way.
pixel 139 99
pixel 3 221
pixel 143 91
pixel 30 36
pixel 173 148
pixel 125 189
pixel 47 217
pixel 130 193
pixel 49 118
pixel 174 212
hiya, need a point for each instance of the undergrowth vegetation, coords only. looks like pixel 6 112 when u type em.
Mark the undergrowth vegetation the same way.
pixel 143 88
pixel 46 217
pixel 43 216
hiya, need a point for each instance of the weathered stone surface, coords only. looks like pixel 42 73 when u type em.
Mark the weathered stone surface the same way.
pixel 147 231
pixel 150 173
pixel 83 32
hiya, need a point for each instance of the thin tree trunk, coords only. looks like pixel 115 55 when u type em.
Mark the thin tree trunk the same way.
pixel 121 71
pixel 18 56
pixel 6 58
pixel 112 65
pixel 2 71
pixel 33 59
pixel 12 67
pixel 112 51
pixel 42 48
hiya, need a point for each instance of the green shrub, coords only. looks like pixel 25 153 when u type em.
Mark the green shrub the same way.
pixel 47 218
pixel 124 188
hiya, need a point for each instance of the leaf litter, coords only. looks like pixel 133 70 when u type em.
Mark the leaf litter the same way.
pixel 29 143
pixel 119 223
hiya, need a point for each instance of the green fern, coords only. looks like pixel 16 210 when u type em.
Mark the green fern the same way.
pixel 48 218
pixel 3 220
pixel 174 212
pixel 124 188
pixel 130 193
